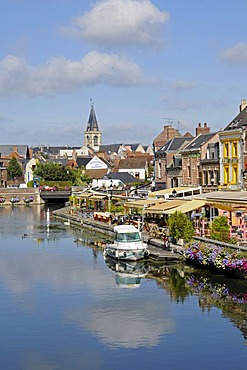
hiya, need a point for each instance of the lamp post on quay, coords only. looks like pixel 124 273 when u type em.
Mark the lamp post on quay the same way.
pixel 110 196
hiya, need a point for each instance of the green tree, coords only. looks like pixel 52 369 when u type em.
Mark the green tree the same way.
pixel 80 176
pixel 220 229
pixel 14 169
pixel 52 171
pixel 180 227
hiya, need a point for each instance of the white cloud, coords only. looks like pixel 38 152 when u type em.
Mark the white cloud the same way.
pixel 59 75
pixel 120 23
pixel 183 85
pixel 236 54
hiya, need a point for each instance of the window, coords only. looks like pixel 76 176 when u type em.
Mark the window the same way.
pixel 226 150
pixel 159 171
pixel 189 172
pixel 235 149
pixel 226 175
pixel 234 175
pixel 95 140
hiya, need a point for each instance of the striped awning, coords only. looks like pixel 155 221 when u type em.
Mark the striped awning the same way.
pixel 141 203
pixel 161 207
pixel 84 195
pixel 188 206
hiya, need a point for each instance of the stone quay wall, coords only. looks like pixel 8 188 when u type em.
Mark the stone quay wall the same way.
pixel 22 194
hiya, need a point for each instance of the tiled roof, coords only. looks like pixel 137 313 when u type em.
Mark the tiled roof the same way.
pixel 125 177
pixel 96 174
pixel 198 142
pixel 83 161
pixel 22 150
pixel 239 121
pixel 133 147
pixel 52 150
pixel 112 148
pixel 175 144
pixel 133 162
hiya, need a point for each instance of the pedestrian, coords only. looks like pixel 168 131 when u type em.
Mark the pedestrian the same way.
pixel 166 242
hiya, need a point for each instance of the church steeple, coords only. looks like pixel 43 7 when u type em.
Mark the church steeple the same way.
pixel 92 135
pixel 92 124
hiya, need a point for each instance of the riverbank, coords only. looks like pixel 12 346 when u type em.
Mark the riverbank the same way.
pixel 155 246
pixel 12 196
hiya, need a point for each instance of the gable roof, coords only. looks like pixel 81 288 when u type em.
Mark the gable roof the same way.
pixel 198 142
pixel 125 177
pixel 83 161
pixel 112 148
pixel 133 147
pixel 132 162
pixel 239 121
pixel 6 150
pixel 175 144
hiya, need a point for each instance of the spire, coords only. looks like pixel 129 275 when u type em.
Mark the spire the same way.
pixel 92 124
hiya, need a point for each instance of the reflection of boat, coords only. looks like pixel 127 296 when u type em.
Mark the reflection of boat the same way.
pixel 127 244
pixel 128 274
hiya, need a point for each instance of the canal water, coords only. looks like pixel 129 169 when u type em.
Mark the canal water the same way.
pixel 63 306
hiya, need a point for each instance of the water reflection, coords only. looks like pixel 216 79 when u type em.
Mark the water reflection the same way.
pixel 212 290
pixel 127 274
pixel 59 298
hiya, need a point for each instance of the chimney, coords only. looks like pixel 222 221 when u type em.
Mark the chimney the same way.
pixel 243 105
pixel 202 130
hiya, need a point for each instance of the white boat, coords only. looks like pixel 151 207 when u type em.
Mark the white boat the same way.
pixel 127 244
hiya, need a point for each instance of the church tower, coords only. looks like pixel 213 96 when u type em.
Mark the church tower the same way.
pixel 92 135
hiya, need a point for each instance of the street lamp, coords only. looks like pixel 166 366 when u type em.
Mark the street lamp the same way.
pixel 143 216
pixel 174 193
pixel 110 197
pixel 111 189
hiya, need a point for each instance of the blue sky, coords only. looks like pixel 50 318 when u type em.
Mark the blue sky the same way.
pixel 144 63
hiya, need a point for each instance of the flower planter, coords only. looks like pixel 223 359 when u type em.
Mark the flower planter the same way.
pixel 217 260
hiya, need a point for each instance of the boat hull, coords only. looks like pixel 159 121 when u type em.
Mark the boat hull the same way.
pixel 126 254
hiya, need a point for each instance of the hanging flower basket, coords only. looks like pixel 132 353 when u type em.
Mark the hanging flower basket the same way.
pixel 28 200
pixel 14 200
pixel 2 199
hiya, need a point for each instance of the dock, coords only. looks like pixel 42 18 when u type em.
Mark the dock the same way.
pixel 155 246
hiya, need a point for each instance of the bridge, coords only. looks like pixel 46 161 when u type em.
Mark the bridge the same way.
pixel 38 197
pixel 55 196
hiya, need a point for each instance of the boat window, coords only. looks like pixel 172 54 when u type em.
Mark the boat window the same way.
pixel 128 237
